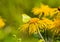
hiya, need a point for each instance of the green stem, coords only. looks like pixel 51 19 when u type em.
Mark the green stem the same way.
pixel 41 35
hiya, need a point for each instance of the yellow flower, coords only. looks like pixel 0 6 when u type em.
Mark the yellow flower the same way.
pixel 44 9
pixel 2 24
pixel 35 24
pixel 31 26
pixel 46 23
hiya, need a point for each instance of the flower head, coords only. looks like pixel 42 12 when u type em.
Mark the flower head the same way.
pixel 2 24
pixel 46 23
pixel 31 26
pixel 36 24
pixel 44 9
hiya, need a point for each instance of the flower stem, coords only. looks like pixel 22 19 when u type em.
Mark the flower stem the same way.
pixel 40 35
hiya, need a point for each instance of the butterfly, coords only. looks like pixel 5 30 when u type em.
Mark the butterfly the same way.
pixel 25 18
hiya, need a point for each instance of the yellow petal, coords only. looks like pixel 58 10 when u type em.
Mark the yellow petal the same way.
pixel 2 24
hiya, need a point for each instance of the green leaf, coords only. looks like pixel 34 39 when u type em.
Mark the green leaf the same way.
pixel 2 34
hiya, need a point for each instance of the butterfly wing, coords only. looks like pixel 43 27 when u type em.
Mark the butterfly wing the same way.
pixel 25 18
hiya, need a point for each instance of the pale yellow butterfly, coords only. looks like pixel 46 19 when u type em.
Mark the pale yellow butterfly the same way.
pixel 25 18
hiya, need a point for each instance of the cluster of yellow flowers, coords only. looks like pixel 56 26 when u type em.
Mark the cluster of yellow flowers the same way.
pixel 36 24
pixel 44 9
pixel 2 24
